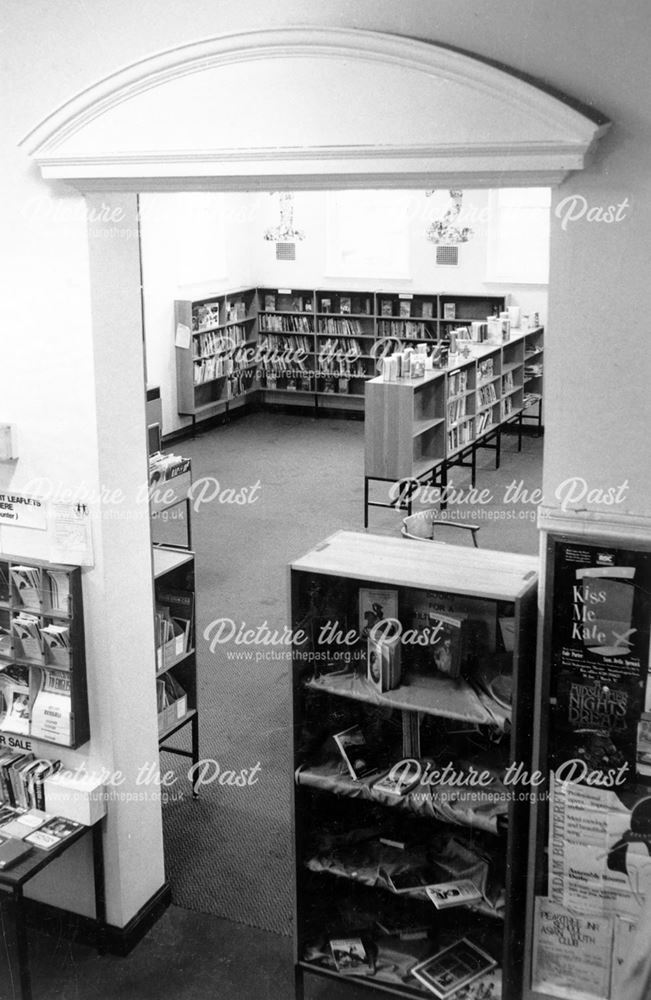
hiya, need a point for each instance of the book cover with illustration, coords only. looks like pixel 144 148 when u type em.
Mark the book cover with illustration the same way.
pixel 599 652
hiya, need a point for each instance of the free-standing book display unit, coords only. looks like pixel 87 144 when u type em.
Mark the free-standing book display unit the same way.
pixel 413 670
pixel 43 692
pixel 417 428
pixel 176 658
pixel 591 830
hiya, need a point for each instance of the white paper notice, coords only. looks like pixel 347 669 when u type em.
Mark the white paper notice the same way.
pixel 70 535
pixel 572 953
pixel 591 867
pixel 183 336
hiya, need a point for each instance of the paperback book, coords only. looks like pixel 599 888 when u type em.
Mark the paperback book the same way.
pixel 458 965
pixel 351 956
pixel 361 760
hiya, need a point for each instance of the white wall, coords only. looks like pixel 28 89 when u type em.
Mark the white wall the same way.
pixel 171 223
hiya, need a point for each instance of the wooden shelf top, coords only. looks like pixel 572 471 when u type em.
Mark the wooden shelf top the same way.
pixel 167 559
pixel 398 561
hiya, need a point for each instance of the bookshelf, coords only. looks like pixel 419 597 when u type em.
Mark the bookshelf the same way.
pixel 307 346
pixel 534 357
pixel 357 845
pixel 176 658
pixel 43 690
pixel 478 395
pixel 174 595
pixel 215 342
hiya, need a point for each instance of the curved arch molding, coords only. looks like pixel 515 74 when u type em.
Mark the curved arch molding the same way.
pixel 319 107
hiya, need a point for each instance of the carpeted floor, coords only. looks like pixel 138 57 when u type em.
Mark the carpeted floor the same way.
pixel 229 853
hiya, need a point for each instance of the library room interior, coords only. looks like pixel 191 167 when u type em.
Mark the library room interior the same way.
pixel 325 544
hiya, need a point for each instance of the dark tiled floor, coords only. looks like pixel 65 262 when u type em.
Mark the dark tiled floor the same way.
pixel 186 956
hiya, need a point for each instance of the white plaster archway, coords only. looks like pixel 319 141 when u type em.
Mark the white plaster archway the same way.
pixel 314 108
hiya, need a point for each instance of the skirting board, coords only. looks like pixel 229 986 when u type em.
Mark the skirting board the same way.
pixel 74 927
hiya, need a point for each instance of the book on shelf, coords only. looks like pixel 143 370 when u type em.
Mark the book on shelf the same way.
pixel 26 630
pixel 205 316
pixel 457 382
pixel 360 758
pixel 57 643
pixel 270 301
pixel 452 968
pixel 350 956
pixel 404 309
pixel 345 304
pixel 427 310
pixel 448 894
pixel 507 384
pixel 53 832
pixel 14 699
pixel 386 307
pixel 326 305
pixel 376 606
pixel 449 310
pixel 27 581
pixel 52 708
pixel 58 585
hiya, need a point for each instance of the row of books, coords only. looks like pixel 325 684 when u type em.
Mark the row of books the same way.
pixel 457 382
pixel 404 328
pixel 209 369
pixel 30 639
pixel 483 422
pixel 341 327
pixel 275 323
pixel 486 394
pixel 461 435
pixel 457 409
pixel 334 347
pixel 508 407
pixel 214 342
pixel 287 302
pixel 36 588
pixel 274 344
pixel 22 778
pixel 347 304
pixel 406 308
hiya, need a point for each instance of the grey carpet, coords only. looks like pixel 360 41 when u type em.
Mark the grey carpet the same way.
pixel 229 853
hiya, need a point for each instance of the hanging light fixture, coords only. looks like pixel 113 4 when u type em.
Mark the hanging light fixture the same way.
pixel 446 230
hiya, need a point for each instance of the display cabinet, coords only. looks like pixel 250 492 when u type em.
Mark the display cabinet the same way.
pixel 413 671
pixel 43 690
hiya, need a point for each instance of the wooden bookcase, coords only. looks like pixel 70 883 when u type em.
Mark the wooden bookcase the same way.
pixel 339 332
pixel 349 837
pixel 480 394
pixel 534 356
pixel 216 368
pixel 37 668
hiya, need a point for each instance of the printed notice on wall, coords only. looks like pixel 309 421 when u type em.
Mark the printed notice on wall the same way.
pixel 600 652
pixel 572 953
pixel 597 862
pixel 22 511
pixel 70 534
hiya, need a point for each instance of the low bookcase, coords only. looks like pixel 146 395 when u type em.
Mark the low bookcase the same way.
pixel 454 714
